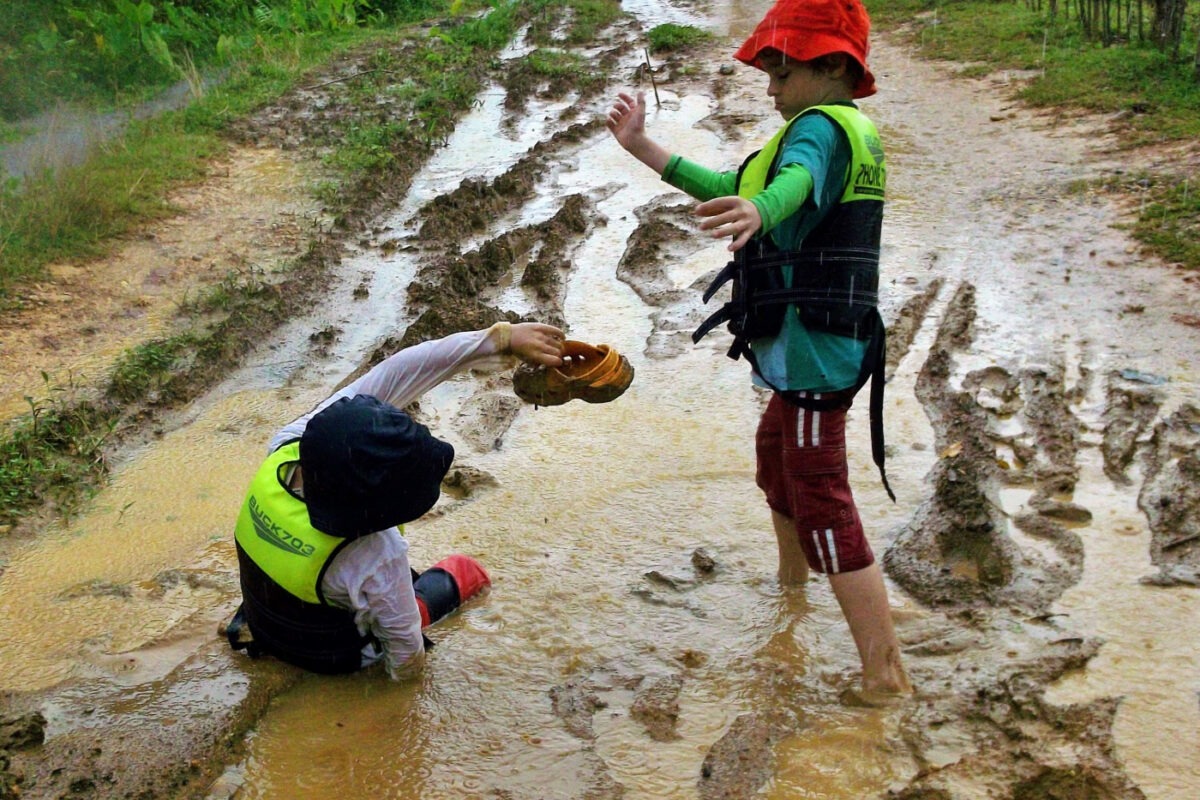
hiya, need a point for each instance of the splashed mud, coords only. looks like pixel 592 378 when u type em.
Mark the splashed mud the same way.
pixel 1043 554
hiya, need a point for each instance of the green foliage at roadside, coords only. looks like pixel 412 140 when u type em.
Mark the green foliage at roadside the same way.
pixel 75 211
pixel 1070 68
pixel 1169 222
pixel 669 37
pixel 105 51
pixel 1155 92
pixel 143 369
pixel 53 451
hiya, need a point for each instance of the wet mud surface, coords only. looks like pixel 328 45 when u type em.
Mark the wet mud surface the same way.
pixel 1021 394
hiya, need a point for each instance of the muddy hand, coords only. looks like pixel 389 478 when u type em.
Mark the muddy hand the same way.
pixel 537 343
pixel 627 118
pixel 733 217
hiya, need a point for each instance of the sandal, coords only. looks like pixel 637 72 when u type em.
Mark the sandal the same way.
pixel 594 374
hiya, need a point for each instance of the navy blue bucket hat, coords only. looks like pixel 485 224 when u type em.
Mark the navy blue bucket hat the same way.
pixel 368 466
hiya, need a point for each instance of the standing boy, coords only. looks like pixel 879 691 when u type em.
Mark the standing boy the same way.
pixel 804 216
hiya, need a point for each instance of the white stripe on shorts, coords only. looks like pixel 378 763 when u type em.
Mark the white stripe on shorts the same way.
pixel 814 440
pixel 832 551
pixel 816 426
pixel 831 564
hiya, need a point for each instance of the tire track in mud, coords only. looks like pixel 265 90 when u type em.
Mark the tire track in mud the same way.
pixel 956 551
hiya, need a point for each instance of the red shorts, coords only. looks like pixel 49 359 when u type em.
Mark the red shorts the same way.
pixel 802 470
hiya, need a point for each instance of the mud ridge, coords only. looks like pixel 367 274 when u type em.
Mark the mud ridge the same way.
pixel 1170 498
pixel 476 204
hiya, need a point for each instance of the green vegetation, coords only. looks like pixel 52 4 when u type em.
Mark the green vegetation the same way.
pixel 670 37
pixel 1169 223
pixel 52 453
pixel 1097 57
pixel 105 52
pixel 1073 66
pixel 77 210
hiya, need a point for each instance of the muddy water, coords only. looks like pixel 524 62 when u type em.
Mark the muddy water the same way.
pixel 591 499
pixel 591 529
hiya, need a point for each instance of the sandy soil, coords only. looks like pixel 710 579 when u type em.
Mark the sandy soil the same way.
pixel 982 725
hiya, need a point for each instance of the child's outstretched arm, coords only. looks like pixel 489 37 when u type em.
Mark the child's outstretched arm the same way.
pixel 732 216
pixel 740 219
pixel 627 122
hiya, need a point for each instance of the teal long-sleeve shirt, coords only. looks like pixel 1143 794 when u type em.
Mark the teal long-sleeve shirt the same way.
pixel 814 163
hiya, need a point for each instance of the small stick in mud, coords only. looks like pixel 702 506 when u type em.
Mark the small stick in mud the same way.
pixel 1181 540
pixel 358 74
pixel 650 72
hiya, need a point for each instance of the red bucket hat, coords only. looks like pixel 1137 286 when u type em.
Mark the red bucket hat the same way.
pixel 808 29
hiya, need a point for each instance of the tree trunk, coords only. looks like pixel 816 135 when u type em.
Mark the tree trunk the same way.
pixel 1168 23
pixel 1197 75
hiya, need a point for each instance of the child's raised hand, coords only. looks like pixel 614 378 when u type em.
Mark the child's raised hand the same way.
pixel 537 343
pixel 730 216
pixel 627 118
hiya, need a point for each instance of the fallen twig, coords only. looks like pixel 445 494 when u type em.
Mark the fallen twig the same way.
pixel 650 72
pixel 346 78
pixel 1181 540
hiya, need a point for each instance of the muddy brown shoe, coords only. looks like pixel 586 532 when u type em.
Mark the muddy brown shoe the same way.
pixel 594 374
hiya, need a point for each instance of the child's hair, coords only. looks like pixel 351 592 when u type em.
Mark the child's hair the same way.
pixel 830 62
pixel 826 64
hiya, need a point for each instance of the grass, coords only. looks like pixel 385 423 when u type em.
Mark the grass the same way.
pixel 53 454
pixel 1169 222
pixel 77 211
pixel 670 37
pixel 1156 95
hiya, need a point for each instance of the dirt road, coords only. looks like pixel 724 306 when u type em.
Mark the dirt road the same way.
pixel 1042 420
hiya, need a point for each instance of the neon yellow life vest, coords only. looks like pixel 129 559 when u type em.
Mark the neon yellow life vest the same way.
pixel 274 531
pixel 868 168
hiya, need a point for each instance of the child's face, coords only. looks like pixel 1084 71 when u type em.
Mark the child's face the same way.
pixel 796 85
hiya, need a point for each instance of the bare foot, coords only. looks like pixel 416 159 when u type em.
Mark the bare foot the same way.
pixel 857 697
pixel 892 679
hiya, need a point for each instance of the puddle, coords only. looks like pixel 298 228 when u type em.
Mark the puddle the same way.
pixel 77 599
pixel 1145 659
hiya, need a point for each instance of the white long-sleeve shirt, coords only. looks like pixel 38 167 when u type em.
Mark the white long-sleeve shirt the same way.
pixel 371 575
